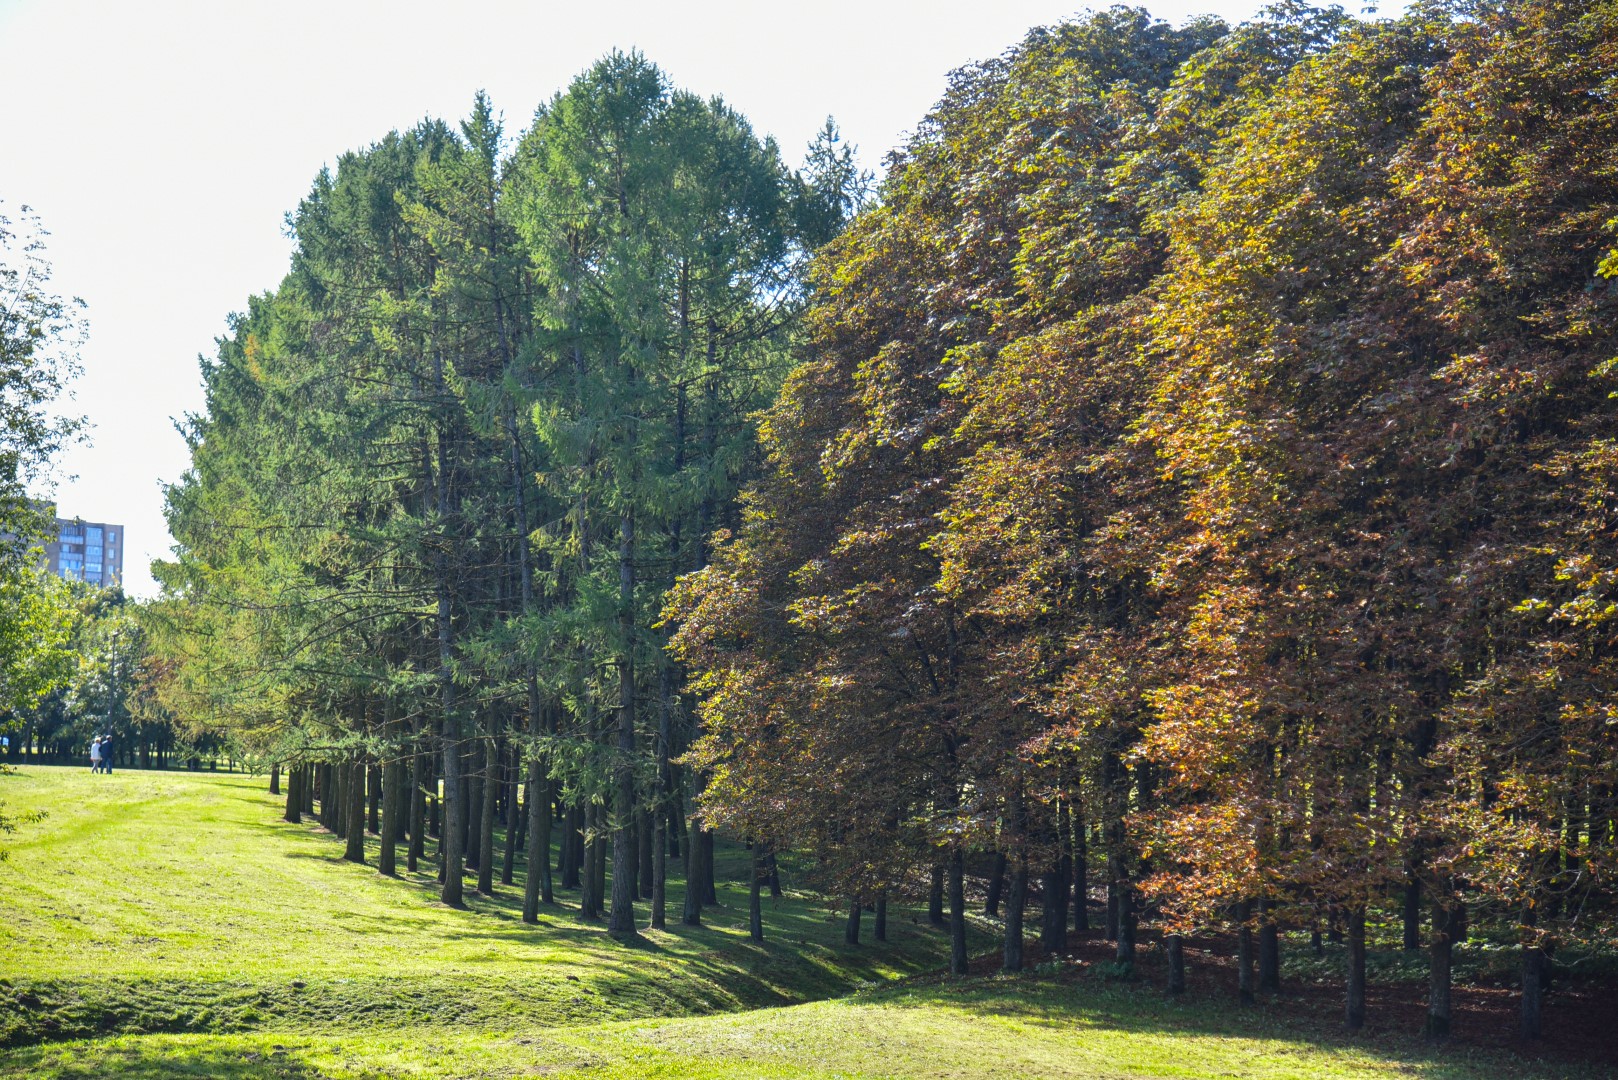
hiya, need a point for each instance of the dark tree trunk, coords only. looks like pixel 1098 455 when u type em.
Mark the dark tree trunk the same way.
pixel 935 897
pixel 997 883
pixel 1053 926
pixel 957 913
pixel 373 785
pixel 490 789
pixel 275 773
pixel 1127 923
pixel 695 875
pixel 356 813
pixel 625 857
pixel 1533 992
pixel 660 872
pixel 388 855
pixel 1244 952
pixel 1412 915
pixel 1174 952
pixel 537 885
pixel 755 905
pixel 1269 950
pixel 418 812
pixel 1081 877
pixel 294 810
pixel 851 929
pixel 572 850
pixel 1016 904
pixel 1441 955
pixel 589 899
pixel 472 786
pixel 512 781
pixel 643 851
pixel 1354 1008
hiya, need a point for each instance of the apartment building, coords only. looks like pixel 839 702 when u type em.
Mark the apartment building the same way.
pixel 91 551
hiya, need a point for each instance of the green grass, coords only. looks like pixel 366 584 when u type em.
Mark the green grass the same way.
pixel 159 925
pixel 181 902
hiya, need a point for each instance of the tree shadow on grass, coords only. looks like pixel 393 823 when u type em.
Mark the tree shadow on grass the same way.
pixel 138 1060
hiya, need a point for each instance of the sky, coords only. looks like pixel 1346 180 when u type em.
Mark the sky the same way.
pixel 162 145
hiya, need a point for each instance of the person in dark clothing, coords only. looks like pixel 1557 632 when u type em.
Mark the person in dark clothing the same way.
pixel 106 753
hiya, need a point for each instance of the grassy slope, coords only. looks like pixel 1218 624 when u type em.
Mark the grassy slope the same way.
pixel 174 902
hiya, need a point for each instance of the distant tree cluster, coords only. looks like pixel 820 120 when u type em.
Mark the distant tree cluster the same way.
pixel 1199 484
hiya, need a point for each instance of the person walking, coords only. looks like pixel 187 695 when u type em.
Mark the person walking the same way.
pixel 106 754
pixel 95 755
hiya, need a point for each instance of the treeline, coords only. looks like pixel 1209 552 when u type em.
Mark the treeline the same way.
pixel 1192 481
pixel 1199 484
pixel 448 469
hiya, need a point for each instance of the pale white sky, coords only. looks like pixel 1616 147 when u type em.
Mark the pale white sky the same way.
pixel 162 144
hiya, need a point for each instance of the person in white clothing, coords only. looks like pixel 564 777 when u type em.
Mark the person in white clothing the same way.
pixel 95 755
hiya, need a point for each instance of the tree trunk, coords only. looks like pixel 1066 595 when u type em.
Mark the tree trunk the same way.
pixel 1354 1010
pixel 695 875
pixel 490 790
pixel 451 836
pixel 625 857
pixel 1053 911
pixel 418 811
pixel 851 929
pixel 997 881
pixel 957 913
pixel 1533 992
pixel 1174 952
pixel 537 885
pixel 1016 904
pixel 589 900
pixel 1081 877
pixel 356 813
pixel 755 905
pixel 571 856
pixel 1412 915
pixel 660 871
pixel 294 810
pixel 387 856
pixel 1441 955
pixel 1269 950
pixel 512 775
pixel 275 772
pixel 643 851
pixel 1127 922
pixel 472 784
pixel 1244 952
pixel 373 786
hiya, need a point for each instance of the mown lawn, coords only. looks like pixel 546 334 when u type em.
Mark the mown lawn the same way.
pixel 158 925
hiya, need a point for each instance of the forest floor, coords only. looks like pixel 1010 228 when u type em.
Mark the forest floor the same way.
pixel 170 924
